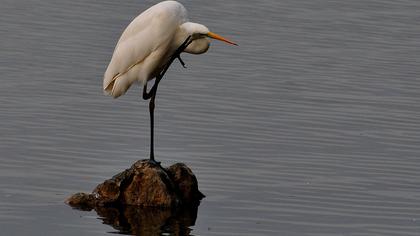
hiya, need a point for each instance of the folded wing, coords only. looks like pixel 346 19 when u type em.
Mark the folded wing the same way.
pixel 142 46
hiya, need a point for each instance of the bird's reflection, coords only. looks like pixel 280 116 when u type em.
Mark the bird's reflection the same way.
pixel 134 220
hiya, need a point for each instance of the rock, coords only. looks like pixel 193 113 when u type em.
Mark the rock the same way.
pixel 150 186
pixel 145 184
pixel 83 201
pixel 185 182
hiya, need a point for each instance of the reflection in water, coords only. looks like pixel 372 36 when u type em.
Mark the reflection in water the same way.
pixel 134 220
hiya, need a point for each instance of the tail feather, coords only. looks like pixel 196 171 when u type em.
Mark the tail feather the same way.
pixel 108 85
pixel 118 86
pixel 121 82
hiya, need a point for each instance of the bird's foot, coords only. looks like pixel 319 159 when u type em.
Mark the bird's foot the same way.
pixel 153 162
pixel 181 61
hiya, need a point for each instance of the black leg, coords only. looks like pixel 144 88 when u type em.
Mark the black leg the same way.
pixel 152 94
pixel 152 111
pixel 146 95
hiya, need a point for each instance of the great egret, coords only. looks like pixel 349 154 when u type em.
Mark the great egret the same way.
pixel 149 45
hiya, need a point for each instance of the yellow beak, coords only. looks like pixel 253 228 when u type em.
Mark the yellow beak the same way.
pixel 218 37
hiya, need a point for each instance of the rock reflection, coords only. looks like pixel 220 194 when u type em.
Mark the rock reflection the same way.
pixel 134 220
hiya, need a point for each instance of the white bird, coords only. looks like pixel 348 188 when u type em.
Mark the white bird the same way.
pixel 148 46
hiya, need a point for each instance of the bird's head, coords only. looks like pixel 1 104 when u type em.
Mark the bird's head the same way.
pixel 200 36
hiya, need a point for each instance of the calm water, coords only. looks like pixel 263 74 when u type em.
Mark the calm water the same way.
pixel 310 127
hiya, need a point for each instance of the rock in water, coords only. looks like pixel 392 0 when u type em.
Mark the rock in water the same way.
pixel 149 186
pixel 185 182
pixel 144 184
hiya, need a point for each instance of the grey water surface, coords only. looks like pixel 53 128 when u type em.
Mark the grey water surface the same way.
pixel 310 127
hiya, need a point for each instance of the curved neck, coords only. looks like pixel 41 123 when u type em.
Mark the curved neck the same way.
pixel 200 43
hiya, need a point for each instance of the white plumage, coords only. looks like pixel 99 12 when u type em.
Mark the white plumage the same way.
pixel 148 42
